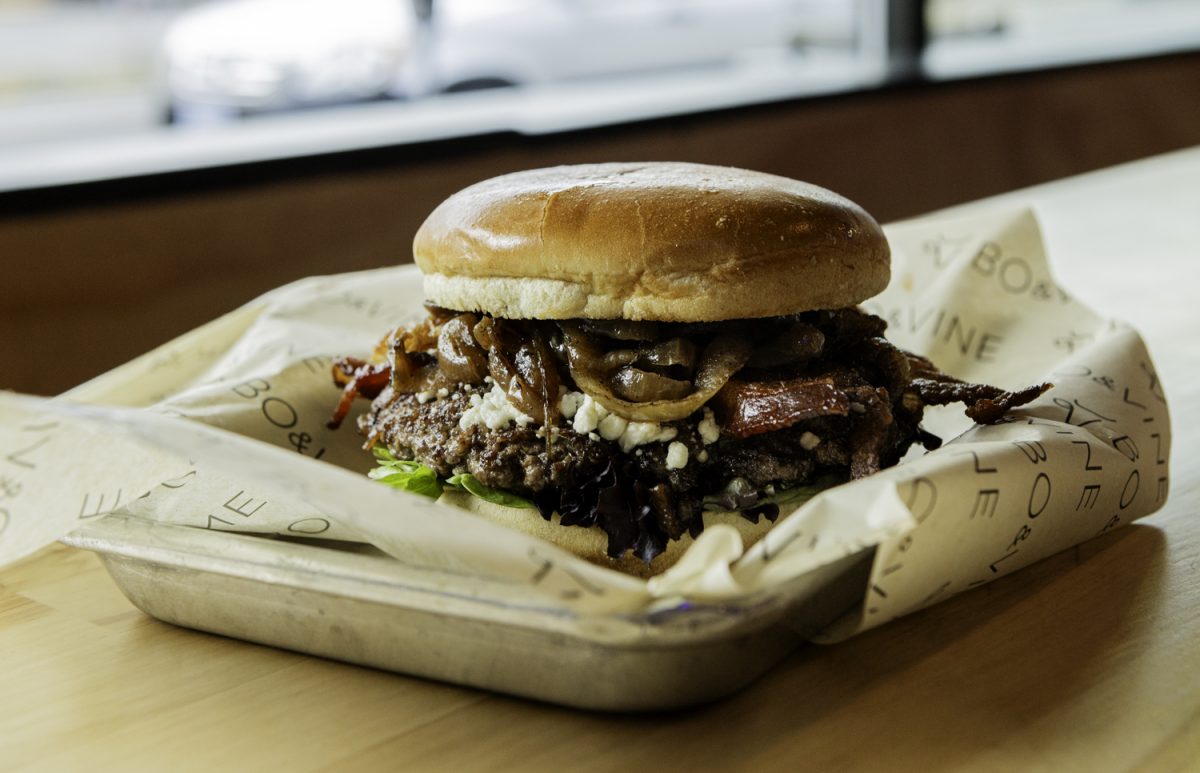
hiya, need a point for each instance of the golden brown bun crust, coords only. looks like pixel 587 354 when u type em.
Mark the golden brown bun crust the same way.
pixel 591 543
pixel 660 241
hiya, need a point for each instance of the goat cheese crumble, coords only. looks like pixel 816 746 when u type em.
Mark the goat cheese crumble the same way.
pixel 677 456
pixel 708 429
pixel 589 417
pixel 493 411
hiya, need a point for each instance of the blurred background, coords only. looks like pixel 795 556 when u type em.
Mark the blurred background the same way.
pixel 162 161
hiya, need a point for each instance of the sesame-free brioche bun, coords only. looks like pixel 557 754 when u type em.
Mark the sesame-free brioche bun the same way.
pixel 673 242
pixel 591 543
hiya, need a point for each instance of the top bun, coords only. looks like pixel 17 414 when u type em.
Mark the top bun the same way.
pixel 673 242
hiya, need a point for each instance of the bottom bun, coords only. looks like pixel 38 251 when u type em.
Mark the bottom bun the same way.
pixel 591 543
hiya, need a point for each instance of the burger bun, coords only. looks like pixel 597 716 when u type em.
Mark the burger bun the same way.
pixel 673 242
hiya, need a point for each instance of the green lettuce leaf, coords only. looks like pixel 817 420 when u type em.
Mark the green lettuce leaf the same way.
pixel 405 475
pixel 472 485
pixel 408 475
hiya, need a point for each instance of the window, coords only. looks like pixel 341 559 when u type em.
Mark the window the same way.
pixel 99 90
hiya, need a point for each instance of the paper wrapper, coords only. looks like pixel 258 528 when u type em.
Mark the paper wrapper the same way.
pixel 224 428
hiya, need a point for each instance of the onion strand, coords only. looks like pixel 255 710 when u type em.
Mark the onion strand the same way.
pixel 721 358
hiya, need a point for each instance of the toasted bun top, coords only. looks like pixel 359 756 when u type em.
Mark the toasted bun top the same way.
pixel 654 241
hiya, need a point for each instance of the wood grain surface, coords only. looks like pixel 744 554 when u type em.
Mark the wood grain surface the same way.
pixel 1086 661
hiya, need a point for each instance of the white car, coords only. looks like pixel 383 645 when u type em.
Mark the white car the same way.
pixel 473 43
pixel 238 56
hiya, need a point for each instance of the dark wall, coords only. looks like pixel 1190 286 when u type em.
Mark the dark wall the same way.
pixel 94 276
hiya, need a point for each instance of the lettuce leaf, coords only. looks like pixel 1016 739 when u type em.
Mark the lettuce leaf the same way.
pixel 405 475
pixel 415 477
pixel 472 485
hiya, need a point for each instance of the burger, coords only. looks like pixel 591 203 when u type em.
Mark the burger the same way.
pixel 614 356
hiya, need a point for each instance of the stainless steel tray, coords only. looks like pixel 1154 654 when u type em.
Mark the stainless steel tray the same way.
pixel 354 604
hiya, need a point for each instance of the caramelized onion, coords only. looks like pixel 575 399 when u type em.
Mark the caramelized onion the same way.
pixel 618 358
pixel 420 337
pixel 404 367
pixel 483 332
pixel 621 329
pixel 521 363
pixel 413 371
pixel 459 357
pixel 723 357
pixel 678 353
pixel 439 314
pixel 798 342
pixel 642 386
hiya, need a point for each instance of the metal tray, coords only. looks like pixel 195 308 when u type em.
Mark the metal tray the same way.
pixel 355 604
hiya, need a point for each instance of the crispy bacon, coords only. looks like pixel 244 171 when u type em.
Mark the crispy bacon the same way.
pixel 357 379
pixel 870 430
pixel 985 404
pixel 747 408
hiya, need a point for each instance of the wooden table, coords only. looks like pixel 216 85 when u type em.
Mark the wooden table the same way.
pixel 1087 661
